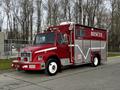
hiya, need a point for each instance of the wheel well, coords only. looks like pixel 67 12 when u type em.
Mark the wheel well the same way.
pixel 55 57
pixel 98 56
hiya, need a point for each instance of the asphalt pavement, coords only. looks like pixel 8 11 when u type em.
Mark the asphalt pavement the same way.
pixel 84 77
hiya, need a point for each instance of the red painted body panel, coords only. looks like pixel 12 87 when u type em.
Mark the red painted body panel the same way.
pixel 92 34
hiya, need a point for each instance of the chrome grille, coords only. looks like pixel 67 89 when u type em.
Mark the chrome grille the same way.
pixel 26 55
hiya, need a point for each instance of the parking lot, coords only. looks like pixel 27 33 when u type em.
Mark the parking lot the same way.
pixel 85 77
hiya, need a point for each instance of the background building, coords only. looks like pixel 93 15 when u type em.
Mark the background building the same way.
pixel 2 37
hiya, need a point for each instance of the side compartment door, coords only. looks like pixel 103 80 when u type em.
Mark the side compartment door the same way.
pixel 79 45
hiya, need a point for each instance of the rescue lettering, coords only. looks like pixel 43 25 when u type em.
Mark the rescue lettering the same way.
pixel 96 34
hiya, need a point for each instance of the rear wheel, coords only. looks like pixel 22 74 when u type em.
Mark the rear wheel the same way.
pixel 51 67
pixel 95 62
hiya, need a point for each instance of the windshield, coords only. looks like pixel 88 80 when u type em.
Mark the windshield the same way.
pixel 44 38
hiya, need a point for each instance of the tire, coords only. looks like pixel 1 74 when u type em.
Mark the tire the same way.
pixel 95 61
pixel 51 67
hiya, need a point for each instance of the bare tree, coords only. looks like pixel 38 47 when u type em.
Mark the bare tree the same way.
pixel 39 19
pixel 91 8
pixel 53 12
pixel 114 33
pixel 64 5
pixel 49 11
pixel 78 11
pixel 31 20
pixel 7 9
pixel 1 16
pixel 24 17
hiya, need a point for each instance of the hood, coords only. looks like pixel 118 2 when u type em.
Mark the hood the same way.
pixel 39 48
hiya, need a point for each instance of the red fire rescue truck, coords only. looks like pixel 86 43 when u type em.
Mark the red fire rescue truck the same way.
pixel 66 44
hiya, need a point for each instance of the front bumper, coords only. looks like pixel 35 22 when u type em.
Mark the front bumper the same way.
pixel 28 65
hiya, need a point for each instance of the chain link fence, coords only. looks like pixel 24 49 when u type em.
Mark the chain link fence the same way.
pixel 9 49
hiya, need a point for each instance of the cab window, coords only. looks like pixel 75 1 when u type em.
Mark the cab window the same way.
pixel 80 32
pixel 45 38
pixel 62 38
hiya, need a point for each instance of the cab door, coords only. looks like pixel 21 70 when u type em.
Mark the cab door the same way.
pixel 63 49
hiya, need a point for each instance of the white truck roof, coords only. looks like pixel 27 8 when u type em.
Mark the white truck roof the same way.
pixel 64 23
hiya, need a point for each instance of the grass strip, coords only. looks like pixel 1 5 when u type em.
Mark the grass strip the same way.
pixel 5 64
pixel 113 54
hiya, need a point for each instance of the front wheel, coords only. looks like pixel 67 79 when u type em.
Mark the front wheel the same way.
pixel 51 67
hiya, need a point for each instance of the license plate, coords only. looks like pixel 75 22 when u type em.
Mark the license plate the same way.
pixel 31 66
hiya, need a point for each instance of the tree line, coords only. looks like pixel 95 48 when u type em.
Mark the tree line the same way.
pixel 25 17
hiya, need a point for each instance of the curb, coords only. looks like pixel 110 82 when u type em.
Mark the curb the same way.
pixel 4 71
pixel 113 57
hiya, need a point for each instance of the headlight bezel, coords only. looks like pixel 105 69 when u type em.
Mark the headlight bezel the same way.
pixel 40 58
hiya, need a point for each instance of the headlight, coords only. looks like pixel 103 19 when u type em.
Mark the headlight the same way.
pixel 40 58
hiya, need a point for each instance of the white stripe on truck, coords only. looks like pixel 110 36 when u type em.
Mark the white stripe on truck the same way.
pixel 48 49
pixel 93 48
